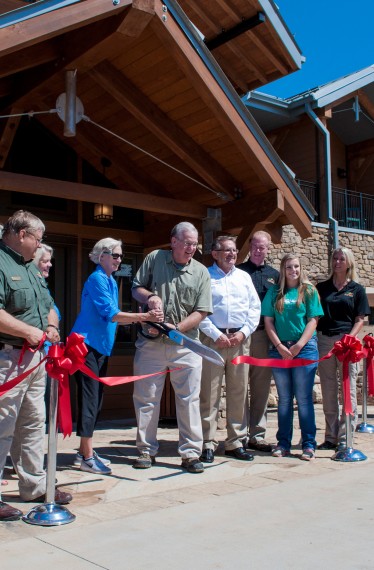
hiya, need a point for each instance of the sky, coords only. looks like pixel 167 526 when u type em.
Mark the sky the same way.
pixel 335 36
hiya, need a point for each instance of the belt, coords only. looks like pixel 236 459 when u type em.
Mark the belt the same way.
pixel 228 331
pixel 328 333
pixel 5 345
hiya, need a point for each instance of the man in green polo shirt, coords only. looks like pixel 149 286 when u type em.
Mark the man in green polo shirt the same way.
pixel 179 285
pixel 26 312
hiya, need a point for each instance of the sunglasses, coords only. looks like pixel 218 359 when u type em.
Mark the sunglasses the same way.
pixel 114 255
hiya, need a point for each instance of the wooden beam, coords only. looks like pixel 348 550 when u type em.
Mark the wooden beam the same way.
pixel 88 193
pixel 137 18
pixel 134 101
pixel 295 215
pixel 8 135
pixel 88 232
pixel 28 58
pixel 259 208
pixel 47 26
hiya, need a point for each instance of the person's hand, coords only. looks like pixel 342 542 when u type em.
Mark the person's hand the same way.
pixel 34 336
pixel 236 338
pixel 52 335
pixel 295 349
pixel 155 302
pixel 284 352
pixel 155 315
pixel 223 341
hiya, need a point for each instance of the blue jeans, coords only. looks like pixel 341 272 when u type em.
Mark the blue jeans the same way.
pixel 296 382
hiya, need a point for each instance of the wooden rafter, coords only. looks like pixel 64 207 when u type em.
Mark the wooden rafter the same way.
pixel 88 193
pixel 275 229
pixel 42 28
pixel 137 18
pixel 242 213
pixel 124 92
pixel 254 38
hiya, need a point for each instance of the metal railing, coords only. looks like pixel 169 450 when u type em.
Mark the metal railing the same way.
pixel 350 208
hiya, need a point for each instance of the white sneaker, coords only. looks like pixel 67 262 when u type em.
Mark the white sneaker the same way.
pixel 94 465
pixel 78 459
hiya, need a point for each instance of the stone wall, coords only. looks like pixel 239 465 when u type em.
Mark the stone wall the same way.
pixel 314 252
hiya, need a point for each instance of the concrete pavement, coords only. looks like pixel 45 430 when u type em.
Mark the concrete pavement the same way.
pixel 271 513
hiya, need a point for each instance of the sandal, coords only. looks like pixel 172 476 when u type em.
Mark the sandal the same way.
pixel 308 454
pixel 280 452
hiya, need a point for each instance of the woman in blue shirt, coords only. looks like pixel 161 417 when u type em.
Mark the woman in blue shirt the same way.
pixel 97 321
pixel 291 311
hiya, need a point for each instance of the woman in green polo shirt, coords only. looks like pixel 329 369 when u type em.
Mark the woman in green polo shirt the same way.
pixel 291 311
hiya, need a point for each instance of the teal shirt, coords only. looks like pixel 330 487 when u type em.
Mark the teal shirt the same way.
pixel 290 324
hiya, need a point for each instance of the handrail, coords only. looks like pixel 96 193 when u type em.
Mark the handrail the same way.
pixel 350 208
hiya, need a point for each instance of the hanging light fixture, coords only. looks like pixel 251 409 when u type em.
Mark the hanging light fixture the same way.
pixel 103 212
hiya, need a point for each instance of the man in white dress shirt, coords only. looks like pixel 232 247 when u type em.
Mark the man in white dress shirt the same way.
pixel 236 314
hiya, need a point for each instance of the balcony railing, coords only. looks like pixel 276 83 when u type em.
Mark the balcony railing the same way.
pixel 351 209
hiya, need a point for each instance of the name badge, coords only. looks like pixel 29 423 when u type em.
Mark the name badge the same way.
pixel 16 278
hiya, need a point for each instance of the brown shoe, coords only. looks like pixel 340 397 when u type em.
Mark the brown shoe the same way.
pixel 8 513
pixel 61 498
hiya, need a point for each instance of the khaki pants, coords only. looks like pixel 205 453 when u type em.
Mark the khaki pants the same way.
pixel 259 387
pixel 22 421
pixel 329 370
pixel 157 356
pixel 236 379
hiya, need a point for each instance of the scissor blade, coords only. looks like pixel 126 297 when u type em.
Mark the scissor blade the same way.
pixel 196 347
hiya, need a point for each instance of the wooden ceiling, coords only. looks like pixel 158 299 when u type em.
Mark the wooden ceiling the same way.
pixel 244 38
pixel 152 105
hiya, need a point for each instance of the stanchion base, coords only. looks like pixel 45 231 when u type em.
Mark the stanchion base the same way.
pixel 365 428
pixel 49 514
pixel 349 454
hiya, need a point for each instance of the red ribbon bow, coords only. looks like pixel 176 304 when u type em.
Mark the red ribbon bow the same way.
pixel 348 349
pixel 62 362
pixel 369 349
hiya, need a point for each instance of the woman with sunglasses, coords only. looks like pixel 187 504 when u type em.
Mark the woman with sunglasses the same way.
pixel 97 321
pixel 291 311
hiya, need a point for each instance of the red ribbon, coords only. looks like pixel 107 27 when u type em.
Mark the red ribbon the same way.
pixel 347 349
pixel 63 361
pixel 369 348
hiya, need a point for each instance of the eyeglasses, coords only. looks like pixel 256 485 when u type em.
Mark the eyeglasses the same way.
pixel 228 250
pixel 189 243
pixel 37 240
pixel 114 255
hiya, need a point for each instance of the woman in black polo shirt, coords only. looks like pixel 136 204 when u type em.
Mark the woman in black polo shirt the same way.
pixel 345 305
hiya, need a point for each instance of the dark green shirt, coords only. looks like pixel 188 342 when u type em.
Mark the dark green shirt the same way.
pixel 23 292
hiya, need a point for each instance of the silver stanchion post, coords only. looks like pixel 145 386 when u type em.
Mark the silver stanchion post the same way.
pixel 364 427
pixel 50 514
pixel 348 454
